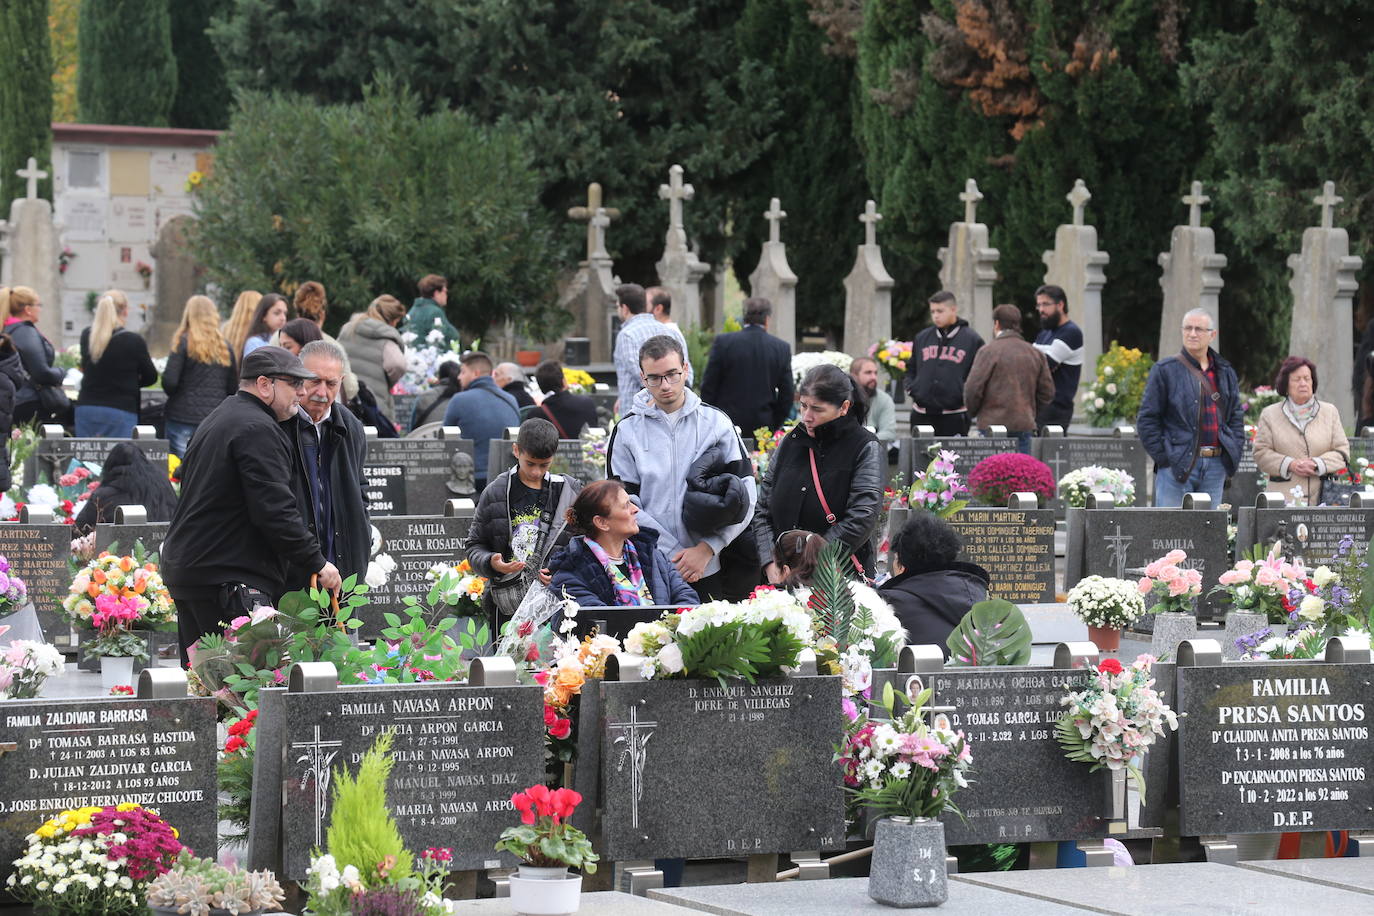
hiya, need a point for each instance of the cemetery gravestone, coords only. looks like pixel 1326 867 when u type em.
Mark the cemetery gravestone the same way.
pixel 122 538
pixel 1069 453
pixel 1313 535
pixel 782 793
pixel 38 554
pixel 1190 273
pixel 680 270
pixel 773 278
pixel 52 457
pixel 1076 265
pixel 570 460
pixel 867 291
pixel 968 266
pixel 31 248
pixel 590 295
pixel 915 454
pixel 1247 483
pixel 416 476
pixel 416 543
pixel 1016 546
pixel 1118 543
pixel 67 754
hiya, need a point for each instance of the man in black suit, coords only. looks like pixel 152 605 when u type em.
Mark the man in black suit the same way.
pixel 568 412
pixel 749 372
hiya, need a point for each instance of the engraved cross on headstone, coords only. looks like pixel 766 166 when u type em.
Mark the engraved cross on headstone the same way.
pixel 775 216
pixel 633 750
pixel 318 758
pixel 1078 197
pixel 675 192
pixel 1116 546
pixel 1058 464
pixel 870 219
pixel 970 197
pixel 588 214
pixel 1327 201
pixel 34 175
pixel 1195 199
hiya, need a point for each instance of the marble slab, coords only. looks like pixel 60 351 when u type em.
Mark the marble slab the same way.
pixel 1347 874
pixel 836 896
pixel 601 903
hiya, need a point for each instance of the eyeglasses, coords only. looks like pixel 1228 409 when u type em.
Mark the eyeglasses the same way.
pixel 672 378
pixel 296 383
pixel 1194 329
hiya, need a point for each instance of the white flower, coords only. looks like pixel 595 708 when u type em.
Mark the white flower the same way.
pixel 901 770
pixel 1111 387
pixel 670 658
pixel 1322 575
pixel 42 496
pixel 873 771
pixel 1107 370
pixel 1312 607
pixel 1099 403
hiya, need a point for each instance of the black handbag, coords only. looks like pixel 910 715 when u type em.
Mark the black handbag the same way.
pixel 54 401
pixel 1337 486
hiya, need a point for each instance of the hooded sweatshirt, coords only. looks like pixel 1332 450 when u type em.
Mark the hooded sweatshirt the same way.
pixel 931 604
pixel 651 452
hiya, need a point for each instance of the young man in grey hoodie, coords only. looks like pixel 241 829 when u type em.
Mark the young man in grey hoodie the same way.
pixel 666 430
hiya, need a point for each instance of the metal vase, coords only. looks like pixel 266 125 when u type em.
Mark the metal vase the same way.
pixel 909 863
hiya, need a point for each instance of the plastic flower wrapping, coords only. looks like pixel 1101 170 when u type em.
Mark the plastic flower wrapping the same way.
pixel 423 359
pixel 1173 586
pixel 460 588
pixel 121 577
pixel 892 356
pixel 1113 716
pixel 1103 602
pixel 803 363
pixel 1075 486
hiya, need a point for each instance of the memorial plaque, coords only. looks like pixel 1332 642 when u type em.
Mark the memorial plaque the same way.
pixel 416 476
pixel 72 753
pixel 1069 453
pixel 1275 747
pixel 38 554
pixel 1120 542
pixel 781 791
pixel 1016 546
pixel 52 457
pixel 460 753
pixel 416 543
pixel 1313 535
pixel 569 460
pixel 915 454
pixel 1247 483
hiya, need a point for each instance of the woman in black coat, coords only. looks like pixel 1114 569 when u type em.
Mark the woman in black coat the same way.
pixel 22 307
pixel 831 445
pixel 201 372
pixel 930 590
pixel 115 364
pixel 128 478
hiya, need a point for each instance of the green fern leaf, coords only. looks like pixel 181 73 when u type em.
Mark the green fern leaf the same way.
pixel 831 599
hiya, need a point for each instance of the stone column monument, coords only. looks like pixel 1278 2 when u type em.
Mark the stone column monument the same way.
pixel 177 278
pixel 680 270
pixel 774 280
pixel 1076 265
pixel 1323 286
pixel 968 265
pixel 590 296
pixel 1191 274
pixel 30 251
pixel 867 291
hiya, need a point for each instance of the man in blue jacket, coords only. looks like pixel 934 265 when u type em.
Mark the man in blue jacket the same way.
pixel 481 410
pixel 1191 422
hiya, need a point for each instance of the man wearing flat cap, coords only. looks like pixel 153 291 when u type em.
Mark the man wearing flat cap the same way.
pixel 238 529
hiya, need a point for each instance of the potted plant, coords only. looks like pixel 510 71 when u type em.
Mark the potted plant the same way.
pixel 547 845
pixel 1107 606
pixel 995 478
pixel 115 645
pixel 131 577
pixel 1075 486
pixel 906 773
pixel 200 886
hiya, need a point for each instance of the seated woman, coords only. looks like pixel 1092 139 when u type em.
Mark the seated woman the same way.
pixel 930 590
pixel 798 552
pixel 128 478
pixel 613 561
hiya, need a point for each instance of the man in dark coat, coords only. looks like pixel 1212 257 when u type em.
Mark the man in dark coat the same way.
pixel 332 448
pixel 237 529
pixel 930 591
pixel 749 372
pixel 569 413
pixel 941 359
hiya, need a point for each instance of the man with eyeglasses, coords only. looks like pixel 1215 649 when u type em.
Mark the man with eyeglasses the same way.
pixel 238 530
pixel 1190 421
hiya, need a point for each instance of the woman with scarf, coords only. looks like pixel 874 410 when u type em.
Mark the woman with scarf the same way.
pixel 128 478
pixel 1300 438
pixel 613 562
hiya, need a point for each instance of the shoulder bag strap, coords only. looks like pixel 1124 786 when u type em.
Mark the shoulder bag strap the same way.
pixel 820 494
pixel 562 433
pixel 1209 391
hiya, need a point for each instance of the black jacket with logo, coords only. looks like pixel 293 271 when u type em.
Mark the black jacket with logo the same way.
pixel 939 365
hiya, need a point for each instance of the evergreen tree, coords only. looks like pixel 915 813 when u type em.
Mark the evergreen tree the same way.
pixel 25 95
pixel 127 74
pixel 202 97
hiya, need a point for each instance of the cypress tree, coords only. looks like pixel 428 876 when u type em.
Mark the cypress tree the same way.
pixel 25 94
pixel 202 96
pixel 127 73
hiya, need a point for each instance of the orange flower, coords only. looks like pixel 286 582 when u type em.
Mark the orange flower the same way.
pixel 126 563
pixel 93 590
pixel 98 576
pixel 464 566
pixel 140 586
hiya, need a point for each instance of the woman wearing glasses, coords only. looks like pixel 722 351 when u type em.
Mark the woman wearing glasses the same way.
pixel 826 476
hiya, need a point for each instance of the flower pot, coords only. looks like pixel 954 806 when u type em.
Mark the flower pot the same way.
pixel 552 893
pixel 116 670
pixel 1107 639
pixel 908 867
pixel 529 358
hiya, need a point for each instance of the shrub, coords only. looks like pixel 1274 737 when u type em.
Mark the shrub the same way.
pixel 1120 384
pixel 995 478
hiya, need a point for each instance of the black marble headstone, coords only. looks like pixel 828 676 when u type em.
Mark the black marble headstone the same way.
pixel 73 753
pixel 1069 453
pixel 770 744
pixel 38 554
pixel 1016 546
pixel 1247 483
pixel 569 460
pixel 1119 542
pixel 460 753
pixel 51 457
pixel 416 543
pixel 122 538
pixel 1266 748
pixel 415 476
pixel 1312 534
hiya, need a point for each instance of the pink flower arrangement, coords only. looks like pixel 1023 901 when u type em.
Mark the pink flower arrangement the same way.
pixel 996 477
pixel 1173 586
pixel 149 846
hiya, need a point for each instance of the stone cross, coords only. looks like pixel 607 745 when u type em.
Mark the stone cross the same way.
pixel 1078 197
pixel 633 749
pixel 970 197
pixel 1327 201
pixel 596 228
pixel 773 278
pixel 775 216
pixel 675 192
pixel 587 214
pixel 35 175
pixel 1195 200
pixel 870 218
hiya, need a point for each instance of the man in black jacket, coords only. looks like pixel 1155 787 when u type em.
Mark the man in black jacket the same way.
pixel 941 357
pixel 749 372
pixel 331 447
pixel 237 529
pixel 569 413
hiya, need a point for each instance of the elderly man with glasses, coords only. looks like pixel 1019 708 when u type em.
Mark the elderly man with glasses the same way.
pixel 1191 422
pixel 238 529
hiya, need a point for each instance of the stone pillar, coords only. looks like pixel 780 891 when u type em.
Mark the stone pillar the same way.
pixel 590 296
pixel 774 280
pixel 30 253
pixel 1076 265
pixel 867 292
pixel 1191 275
pixel 176 279
pixel 968 265
pixel 1323 286
pixel 680 270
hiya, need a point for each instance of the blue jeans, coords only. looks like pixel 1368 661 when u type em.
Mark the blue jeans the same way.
pixel 104 422
pixel 1023 440
pixel 179 436
pixel 1208 476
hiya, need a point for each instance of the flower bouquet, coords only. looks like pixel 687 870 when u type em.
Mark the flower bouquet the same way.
pixel 803 363
pixel 459 588
pixel 996 477
pixel 1075 486
pixel 1113 717
pixel 1106 605
pixel 94 861
pixel 1254 402
pixel 200 886
pixel 1306 642
pixel 1119 387
pixel 766 442
pixel 574 662
pixel 24 666
pixel 892 356
pixel 1262 585
pixel 937 489
pixel 578 381
pixel 594 449
pixel 14 594
pixel 547 845
pixel 1173 587
pixel 120 577
pixel 423 359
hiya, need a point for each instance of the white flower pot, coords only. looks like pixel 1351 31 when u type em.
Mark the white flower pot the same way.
pixel 116 670
pixel 545 891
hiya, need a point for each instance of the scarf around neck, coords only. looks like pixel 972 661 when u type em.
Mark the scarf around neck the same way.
pixel 1302 414
pixel 627 578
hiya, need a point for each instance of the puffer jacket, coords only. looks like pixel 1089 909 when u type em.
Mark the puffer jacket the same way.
pixel 37 354
pixel 364 340
pixel 931 604
pixel 12 378
pixel 195 388
pixel 580 575
pixel 489 534
pixel 1169 412
pixel 716 494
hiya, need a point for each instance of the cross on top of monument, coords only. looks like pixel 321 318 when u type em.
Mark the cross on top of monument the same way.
pixel 870 218
pixel 775 216
pixel 597 227
pixel 1327 201
pixel 1195 199
pixel 1078 197
pixel 970 197
pixel 596 236
pixel 675 192
pixel 34 175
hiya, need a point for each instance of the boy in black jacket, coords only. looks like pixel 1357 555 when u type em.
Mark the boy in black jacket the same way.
pixel 941 357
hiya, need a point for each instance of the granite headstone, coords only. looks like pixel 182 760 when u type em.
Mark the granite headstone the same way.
pixel 52 458
pixel 1313 535
pixel 38 554
pixel 416 543
pixel 416 476
pixel 1069 453
pixel 1120 542
pixel 1247 483
pixel 1015 546
pixel 570 460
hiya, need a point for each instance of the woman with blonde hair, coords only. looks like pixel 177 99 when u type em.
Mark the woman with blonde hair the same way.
pixel 235 330
pixel 375 350
pixel 114 365
pixel 201 372
pixel 41 396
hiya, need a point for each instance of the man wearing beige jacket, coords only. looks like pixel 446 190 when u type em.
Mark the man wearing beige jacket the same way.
pixel 1010 380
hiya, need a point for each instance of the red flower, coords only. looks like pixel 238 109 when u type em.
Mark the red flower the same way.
pixel 564 802
pixel 560 728
pixel 532 654
pixel 550 715
pixel 1110 666
pixel 235 743
pixel 524 628
pixel 541 677
pixel 542 798
pixel 525 805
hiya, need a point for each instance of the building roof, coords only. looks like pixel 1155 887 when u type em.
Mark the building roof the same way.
pixel 125 135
